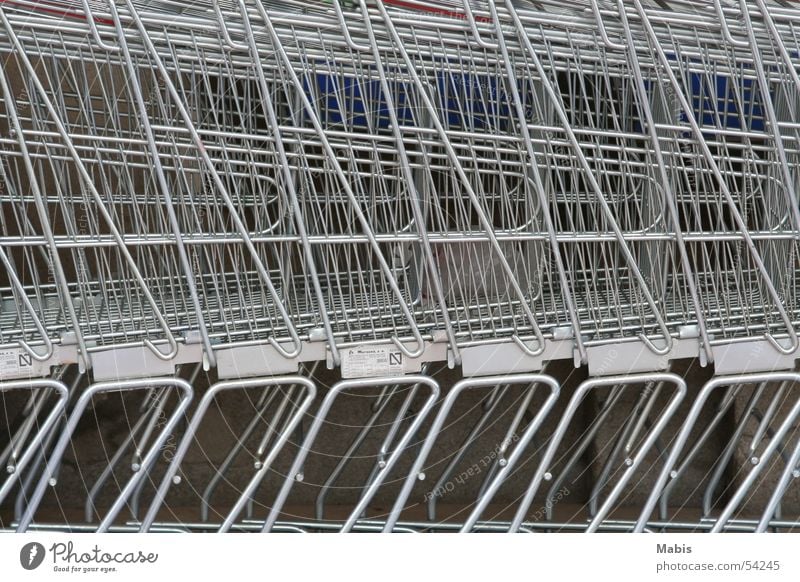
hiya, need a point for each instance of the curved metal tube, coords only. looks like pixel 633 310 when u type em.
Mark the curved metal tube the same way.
pixel 688 425
pixel 71 424
pixel 727 402
pixel 583 444
pixel 86 179
pixel 726 32
pixel 493 401
pixel 319 503
pixel 90 20
pixel 269 109
pixel 542 472
pixel 747 483
pixel 223 28
pixel 593 183
pixel 208 492
pixel 419 216
pixel 667 185
pixel 161 179
pixel 331 156
pixel 707 154
pixel 45 427
pixel 500 476
pixel 790 472
pixel 727 453
pixel 346 31
pixel 220 187
pixel 89 507
pixel 490 382
pixel 646 445
pixel 44 448
pixel 473 25
pixel 474 199
pixel 601 27
pixel 315 427
pixel 544 203
pixel 197 418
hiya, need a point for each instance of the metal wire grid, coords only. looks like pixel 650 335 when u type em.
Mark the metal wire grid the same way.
pixel 283 174
pixel 313 223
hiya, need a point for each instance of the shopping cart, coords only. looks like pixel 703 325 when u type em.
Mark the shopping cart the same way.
pixel 272 196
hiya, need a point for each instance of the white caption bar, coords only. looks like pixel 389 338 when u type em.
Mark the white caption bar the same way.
pixel 372 557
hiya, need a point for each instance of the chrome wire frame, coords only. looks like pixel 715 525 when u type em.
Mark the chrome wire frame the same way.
pixel 493 171
pixel 249 188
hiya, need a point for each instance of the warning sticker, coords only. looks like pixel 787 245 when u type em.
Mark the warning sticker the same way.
pixel 14 361
pixel 370 361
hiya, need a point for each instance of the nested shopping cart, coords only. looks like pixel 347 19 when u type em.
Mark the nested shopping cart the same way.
pixel 584 209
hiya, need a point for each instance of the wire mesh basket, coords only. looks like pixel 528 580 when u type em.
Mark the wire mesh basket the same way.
pixel 267 193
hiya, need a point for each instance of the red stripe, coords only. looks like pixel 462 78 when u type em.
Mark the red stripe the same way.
pixel 57 11
pixel 433 10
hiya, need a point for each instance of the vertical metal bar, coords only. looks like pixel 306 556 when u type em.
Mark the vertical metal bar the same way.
pixel 688 425
pixel 197 418
pixel 315 427
pixel 62 392
pixel 72 422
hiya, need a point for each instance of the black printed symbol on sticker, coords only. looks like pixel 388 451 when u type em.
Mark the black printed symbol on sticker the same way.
pixel 395 359
pixel 25 360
